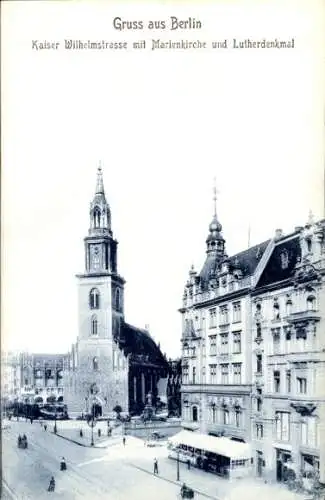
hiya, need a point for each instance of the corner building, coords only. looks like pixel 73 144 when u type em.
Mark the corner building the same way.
pixel 253 349
pixel 112 363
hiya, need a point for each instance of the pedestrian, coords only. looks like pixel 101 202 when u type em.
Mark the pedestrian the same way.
pixel 52 484
pixel 45 427
pixel 155 466
pixel 81 433
pixel 123 440
pixel 189 464
pixel 99 432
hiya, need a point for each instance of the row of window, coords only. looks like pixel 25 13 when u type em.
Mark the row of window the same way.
pixel 224 370
pixel 94 299
pixel 311 305
pixel 224 311
pixel 224 314
pixel 224 343
pixel 226 416
pixel 309 429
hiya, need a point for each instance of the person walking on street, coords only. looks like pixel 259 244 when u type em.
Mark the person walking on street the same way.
pixel 52 484
pixel 123 440
pixel 155 466
pixel 45 427
pixel 189 464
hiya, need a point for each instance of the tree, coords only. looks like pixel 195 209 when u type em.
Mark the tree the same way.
pixel 118 410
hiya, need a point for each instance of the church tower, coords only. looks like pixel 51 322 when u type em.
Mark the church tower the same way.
pixel 101 314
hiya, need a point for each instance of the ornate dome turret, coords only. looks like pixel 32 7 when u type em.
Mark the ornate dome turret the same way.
pixel 215 241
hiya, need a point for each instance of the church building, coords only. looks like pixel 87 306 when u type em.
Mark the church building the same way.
pixel 112 362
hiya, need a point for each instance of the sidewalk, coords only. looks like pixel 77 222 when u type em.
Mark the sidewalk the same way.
pixel 70 430
pixel 211 486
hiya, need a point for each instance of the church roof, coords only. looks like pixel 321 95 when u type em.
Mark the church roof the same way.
pixel 139 342
pixel 246 261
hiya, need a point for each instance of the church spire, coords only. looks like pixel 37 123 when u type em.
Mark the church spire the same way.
pixel 100 214
pixel 100 183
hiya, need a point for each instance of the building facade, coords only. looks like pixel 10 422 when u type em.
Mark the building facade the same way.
pixel 112 363
pixel 253 349
pixel 173 389
pixel 10 375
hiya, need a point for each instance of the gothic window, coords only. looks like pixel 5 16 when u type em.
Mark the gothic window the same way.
pixel 194 414
pixel 95 364
pixel 94 325
pixel 96 217
pixel 94 299
pixel 117 299
pixel 309 244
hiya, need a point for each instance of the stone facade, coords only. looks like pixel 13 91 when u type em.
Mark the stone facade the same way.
pixel 112 363
pixel 253 350
pixel 36 376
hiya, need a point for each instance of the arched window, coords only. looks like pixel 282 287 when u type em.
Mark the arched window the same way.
pixel 94 325
pixel 96 217
pixel 94 298
pixel 311 303
pixel 194 414
pixel 117 299
pixel 95 364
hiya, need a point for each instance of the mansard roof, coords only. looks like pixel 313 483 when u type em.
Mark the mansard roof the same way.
pixel 137 341
pixel 246 261
pixel 282 262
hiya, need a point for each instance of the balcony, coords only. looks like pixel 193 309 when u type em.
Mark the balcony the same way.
pixel 190 425
pixel 228 390
pixel 302 316
pixel 227 430
pixel 258 340
pixel 303 404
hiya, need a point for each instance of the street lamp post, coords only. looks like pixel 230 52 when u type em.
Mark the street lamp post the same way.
pixel 92 423
pixel 55 427
pixel 177 478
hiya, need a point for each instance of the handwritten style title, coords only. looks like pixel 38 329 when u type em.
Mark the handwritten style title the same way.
pixel 174 23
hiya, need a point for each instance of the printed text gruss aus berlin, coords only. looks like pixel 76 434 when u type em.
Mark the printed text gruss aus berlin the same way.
pixel 174 23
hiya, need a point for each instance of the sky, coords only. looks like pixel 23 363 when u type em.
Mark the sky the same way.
pixel 163 124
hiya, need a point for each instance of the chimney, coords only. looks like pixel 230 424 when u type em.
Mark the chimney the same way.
pixel 278 233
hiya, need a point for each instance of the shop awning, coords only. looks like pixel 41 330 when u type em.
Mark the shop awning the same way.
pixel 220 445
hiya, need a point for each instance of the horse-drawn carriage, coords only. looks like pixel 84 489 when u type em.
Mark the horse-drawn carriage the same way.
pixel 186 492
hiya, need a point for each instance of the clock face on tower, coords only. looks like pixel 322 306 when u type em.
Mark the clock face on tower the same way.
pixel 95 256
